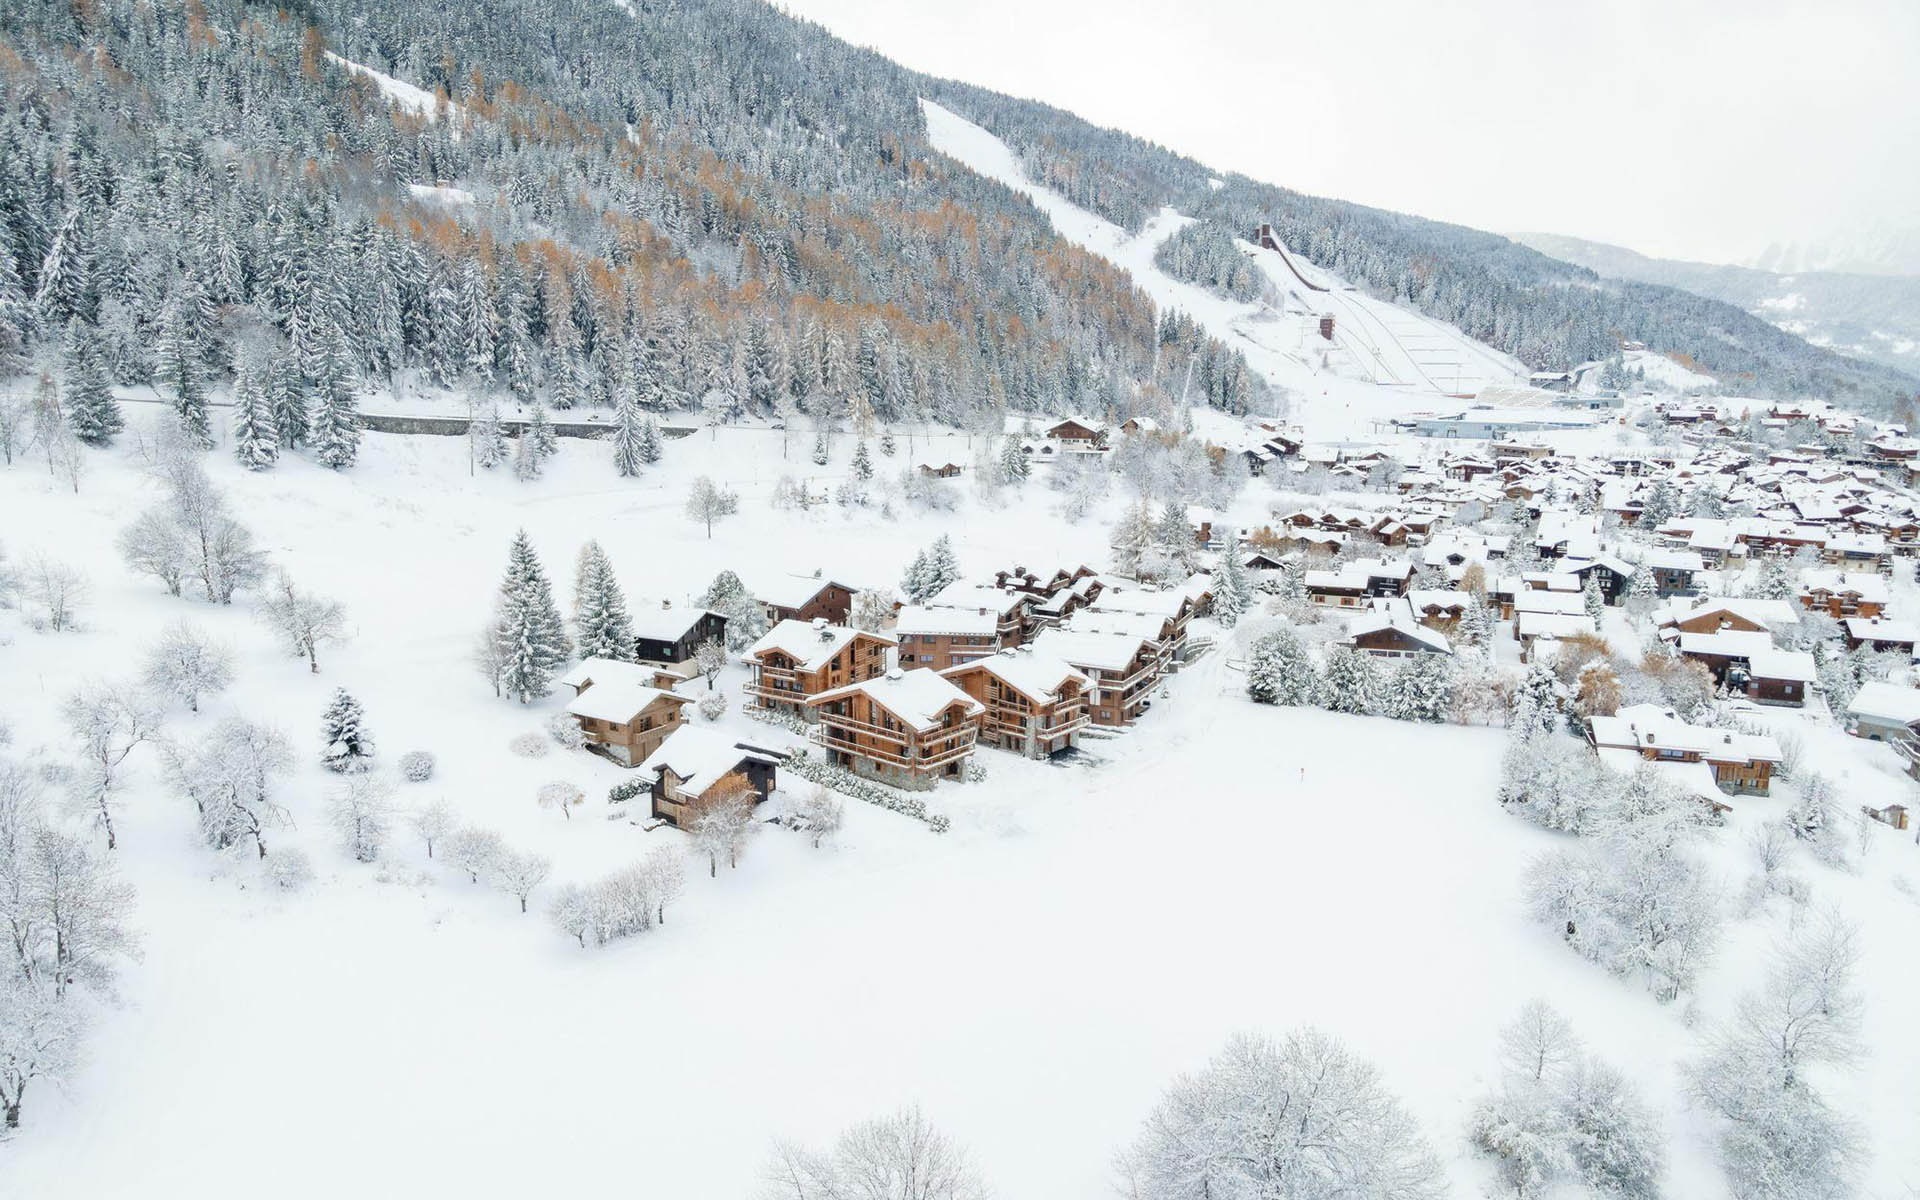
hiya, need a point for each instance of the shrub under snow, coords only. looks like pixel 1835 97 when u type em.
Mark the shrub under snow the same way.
pixel 529 745
pixel 416 766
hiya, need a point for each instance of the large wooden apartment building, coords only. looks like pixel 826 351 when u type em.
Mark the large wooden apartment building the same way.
pixel 907 728
pixel 1036 705
pixel 797 660
pixel 1123 667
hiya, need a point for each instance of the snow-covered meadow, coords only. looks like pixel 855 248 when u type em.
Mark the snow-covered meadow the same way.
pixel 1032 979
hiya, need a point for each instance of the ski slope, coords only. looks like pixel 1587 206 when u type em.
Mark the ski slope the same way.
pixel 1402 359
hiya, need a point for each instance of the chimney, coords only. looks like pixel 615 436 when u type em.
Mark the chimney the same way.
pixel 896 673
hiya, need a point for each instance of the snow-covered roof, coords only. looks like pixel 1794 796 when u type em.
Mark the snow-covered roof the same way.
pixel 917 697
pixel 1880 629
pixel 619 696
pixel 915 619
pixel 1088 649
pixel 1039 676
pixel 1886 702
pixel 964 594
pixel 1553 625
pixel 668 624
pixel 1382 619
pixel 1727 643
pixel 1751 608
pixel 1793 665
pixel 1164 605
pixel 1651 727
pixel 1868 585
pixel 808 644
pixel 701 757
pixel 793 591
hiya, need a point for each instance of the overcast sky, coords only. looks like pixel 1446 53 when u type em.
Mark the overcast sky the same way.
pixel 1702 129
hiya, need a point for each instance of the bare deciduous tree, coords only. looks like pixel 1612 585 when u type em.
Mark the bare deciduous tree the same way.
pixel 107 721
pixel 305 620
pixel 901 1157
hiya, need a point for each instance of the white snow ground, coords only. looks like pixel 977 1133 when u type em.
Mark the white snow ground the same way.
pixel 1033 979
pixel 1416 362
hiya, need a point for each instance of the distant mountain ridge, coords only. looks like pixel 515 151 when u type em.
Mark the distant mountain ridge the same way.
pixel 1882 251
pixel 1868 316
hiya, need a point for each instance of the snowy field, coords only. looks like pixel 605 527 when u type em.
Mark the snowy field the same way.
pixel 1033 979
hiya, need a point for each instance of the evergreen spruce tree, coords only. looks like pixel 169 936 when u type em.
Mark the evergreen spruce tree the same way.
pixel 1422 688
pixel 256 442
pixel 15 316
pixel 626 435
pixel 1173 545
pixel 345 743
pixel 1642 592
pixel 1536 706
pixel 1232 589
pixel 649 441
pixel 862 468
pixel 1594 599
pixel 334 425
pixel 913 584
pixel 942 568
pixel 886 442
pixel 1014 467
pixel 92 410
pixel 1279 671
pixel 179 371
pixel 1350 683
pixel 526 459
pixel 602 628
pixel 529 636
pixel 489 438
pixel 287 400
pixel 540 432
pixel 820 455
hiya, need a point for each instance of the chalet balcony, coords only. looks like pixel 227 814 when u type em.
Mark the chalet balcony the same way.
pixel 894 747
pixel 1020 727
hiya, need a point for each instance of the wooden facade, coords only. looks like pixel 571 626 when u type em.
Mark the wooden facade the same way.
pixel 1024 719
pixel 702 626
pixel 787 672
pixel 871 728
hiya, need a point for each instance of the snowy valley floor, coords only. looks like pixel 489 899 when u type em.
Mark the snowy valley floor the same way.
pixel 1033 979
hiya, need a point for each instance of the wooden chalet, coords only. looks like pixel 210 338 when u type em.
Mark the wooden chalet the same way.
pixel 937 638
pixel 1880 633
pixel 1035 705
pixel 620 710
pixel 672 635
pixel 1123 668
pixel 908 728
pixel 806 598
pixel 1741 763
pixel 1842 594
pixel 797 660
pixel 695 762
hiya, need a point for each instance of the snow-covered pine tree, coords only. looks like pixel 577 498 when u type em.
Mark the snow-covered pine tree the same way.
pixel 942 568
pixel 1350 683
pixel 334 425
pixel 1594 599
pixel 886 442
pixel 601 625
pixel 345 743
pixel 1279 671
pixel 287 400
pixel 92 411
pixel 649 441
pixel 746 618
pixel 1422 689
pixel 540 432
pixel 914 582
pixel 1014 467
pixel 626 434
pixel 15 320
pixel 531 638
pixel 820 454
pixel 1538 699
pixel 526 460
pixel 256 443
pixel 179 370
pixel 1173 543
pixel 1232 589
pixel 862 466
pixel 489 439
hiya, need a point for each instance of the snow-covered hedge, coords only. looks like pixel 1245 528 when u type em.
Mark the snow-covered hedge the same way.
pixel 780 718
pixel 289 869
pixel 529 745
pixel 846 782
pixel 416 766
pixel 626 790
pixel 566 731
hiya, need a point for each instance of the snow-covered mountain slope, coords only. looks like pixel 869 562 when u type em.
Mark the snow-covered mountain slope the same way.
pixel 1869 316
pixel 1409 361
